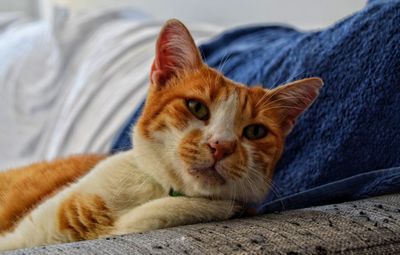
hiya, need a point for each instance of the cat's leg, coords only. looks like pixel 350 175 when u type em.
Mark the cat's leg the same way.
pixel 11 241
pixel 86 209
pixel 38 227
pixel 78 216
pixel 174 211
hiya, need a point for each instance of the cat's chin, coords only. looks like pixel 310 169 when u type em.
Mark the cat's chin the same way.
pixel 208 176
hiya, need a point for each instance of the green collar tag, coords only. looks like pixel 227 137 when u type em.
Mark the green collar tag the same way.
pixel 174 193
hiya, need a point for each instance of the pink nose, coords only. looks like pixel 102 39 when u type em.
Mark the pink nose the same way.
pixel 221 149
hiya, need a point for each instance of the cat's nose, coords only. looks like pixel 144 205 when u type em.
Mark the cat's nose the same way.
pixel 221 148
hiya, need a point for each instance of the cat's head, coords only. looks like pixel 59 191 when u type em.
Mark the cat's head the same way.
pixel 205 135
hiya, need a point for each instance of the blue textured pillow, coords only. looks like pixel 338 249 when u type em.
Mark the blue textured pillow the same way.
pixel 347 145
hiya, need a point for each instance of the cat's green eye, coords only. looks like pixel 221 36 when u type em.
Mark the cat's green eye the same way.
pixel 255 131
pixel 198 109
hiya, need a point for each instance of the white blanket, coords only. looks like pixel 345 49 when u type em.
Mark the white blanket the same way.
pixel 68 87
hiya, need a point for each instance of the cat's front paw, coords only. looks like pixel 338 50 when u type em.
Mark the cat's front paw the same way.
pixel 143 225
pixel 171 212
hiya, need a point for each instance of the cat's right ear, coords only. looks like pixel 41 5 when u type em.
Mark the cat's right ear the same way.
pixel 292 99
pixel 175 53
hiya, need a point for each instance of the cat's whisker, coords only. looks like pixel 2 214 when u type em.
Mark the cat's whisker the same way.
pixel 271 186
pixel 277 81
pixel 233 198
pixel 283 107
pixel 294 77
pixel 261 100
pixel 274 189
pixel 291 78
pixel 284 99
pixel 252 184
pixel 223 61
pixel 268 96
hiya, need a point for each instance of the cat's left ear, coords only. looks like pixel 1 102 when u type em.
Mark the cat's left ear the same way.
pixel 175 52
pixel 292 99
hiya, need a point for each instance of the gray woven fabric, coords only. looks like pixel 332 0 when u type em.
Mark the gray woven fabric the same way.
pixel 370 226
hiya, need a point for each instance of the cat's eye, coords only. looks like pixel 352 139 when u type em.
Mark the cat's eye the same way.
pixel 198 109
pixel 255 131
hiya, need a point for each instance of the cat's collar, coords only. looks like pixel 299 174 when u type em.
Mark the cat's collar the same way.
pixel 174 193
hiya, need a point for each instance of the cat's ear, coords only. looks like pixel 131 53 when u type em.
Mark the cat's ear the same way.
pixel 175 53
pixel 292 99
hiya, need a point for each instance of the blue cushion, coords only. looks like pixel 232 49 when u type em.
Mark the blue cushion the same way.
pixel 347 145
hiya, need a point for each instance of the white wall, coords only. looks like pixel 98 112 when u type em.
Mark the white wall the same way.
pixel 307 14
pixel 27 7
pixel 300 13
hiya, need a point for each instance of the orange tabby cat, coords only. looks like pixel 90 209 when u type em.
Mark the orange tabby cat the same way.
pixel 200 134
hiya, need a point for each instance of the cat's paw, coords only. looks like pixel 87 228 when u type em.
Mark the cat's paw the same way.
pixel 232 209
pixel 171 212
pixel 239 209
pixel 123 227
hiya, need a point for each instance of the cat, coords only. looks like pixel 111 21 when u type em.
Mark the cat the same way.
pixel 204 148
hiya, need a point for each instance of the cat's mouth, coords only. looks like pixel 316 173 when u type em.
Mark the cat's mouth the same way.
pixel 209 175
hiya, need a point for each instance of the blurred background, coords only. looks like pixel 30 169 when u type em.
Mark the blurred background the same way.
pixel 305 14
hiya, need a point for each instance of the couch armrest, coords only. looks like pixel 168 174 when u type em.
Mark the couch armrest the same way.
pixel 366 226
